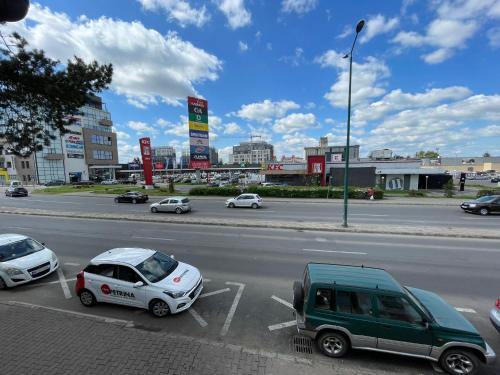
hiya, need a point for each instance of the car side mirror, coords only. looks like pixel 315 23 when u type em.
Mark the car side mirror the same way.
pixel 172 256
pixel 43 243
pixel 138 284
pixel 425 324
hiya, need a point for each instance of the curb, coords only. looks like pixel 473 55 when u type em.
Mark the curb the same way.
pixel 312 226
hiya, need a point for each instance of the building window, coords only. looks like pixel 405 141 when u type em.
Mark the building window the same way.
pixel 24 178
pixel 102 155
pixel 9 164
pixel 27 164
pixel 22 165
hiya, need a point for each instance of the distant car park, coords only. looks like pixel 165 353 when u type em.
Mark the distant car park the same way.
pixel 109 182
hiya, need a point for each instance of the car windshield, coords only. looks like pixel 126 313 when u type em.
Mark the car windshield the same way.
pixel 485 199
pixel 157 267
pixel 185 200
pixel 417 302
pixel 19 249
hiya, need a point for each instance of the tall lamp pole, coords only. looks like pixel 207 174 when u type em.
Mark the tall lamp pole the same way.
pixel 359 27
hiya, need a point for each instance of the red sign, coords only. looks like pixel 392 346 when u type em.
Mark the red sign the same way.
pixel 105 289
pixel 199 164
pixel 159 166
pixel 275 167
pixel 197 102
pixel 316 165
pixel 146 160
pixel 176 279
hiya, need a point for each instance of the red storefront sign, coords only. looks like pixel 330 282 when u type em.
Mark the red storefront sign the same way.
pixel 199 164
pixel 316 165
pixel 275 167
pixel 159 166
pixel 145 144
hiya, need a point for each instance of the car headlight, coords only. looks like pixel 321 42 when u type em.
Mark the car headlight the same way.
pixel 13 272
pixel 174 295
pixel 54 257
pixel 472 205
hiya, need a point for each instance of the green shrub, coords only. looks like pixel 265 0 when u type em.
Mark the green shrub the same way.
pixel 416 193
pixel 449 189
pixel 484 192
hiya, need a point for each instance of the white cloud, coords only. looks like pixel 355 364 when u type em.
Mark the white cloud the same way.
pixel 214 122
pixel 232 128
pixel 122 136
pixel 265 111
pixel 178 129
pixel 243 46
pixel 294 122
pixel 490 131
pixel 179 10
pixel 148 67
pixel 367 83
pixel 236 13
pixel 494 37
pixel 224 153
pixel 310 105
pixel 293 144
pixel 329 121
pixel 299 6
pixel 269 46
pixel 141 127
pixel 127 152
pixel 348 30
pixel 377 25
pixel 465 9
pixel 296 59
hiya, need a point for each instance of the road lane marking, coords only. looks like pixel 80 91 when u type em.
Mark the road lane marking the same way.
pixel 22 228
pixel 274 327
pixel 50 282
pixel 64 284
pixel 369 215
pixel 466 310
pixel 71 264
pixel 207 280
pixel 336 251
pixel 126 323
pixel 232 310
pixel 154 238
pixel 214 293
pixel 282 301
pixel 197 317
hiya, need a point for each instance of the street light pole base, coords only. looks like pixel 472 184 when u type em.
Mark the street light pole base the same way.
pixel 344 224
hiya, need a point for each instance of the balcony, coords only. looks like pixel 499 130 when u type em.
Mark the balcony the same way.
pixel 105 122
pixel 53 156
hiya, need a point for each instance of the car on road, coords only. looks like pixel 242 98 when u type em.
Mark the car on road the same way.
pixel 245 200
pixel 23 259
pixel 495 315
pixel 141 278
pixel 347 307
pixel 55 183
pixel 16 191
pixel 109 182
pixel 178 205
pixel 488 204
pixel 132 197
pixel 495 179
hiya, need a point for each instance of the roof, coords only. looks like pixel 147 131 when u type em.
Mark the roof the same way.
pixel 11 237
pixel 177 197
pixel 128 255
pixel 353 276
pixel 419 171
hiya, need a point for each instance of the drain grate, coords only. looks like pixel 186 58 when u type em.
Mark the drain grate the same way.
pixel 302 344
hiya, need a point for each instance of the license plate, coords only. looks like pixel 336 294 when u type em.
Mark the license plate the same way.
pixel 34 273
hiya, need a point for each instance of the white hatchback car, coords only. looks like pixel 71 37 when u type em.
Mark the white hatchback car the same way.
pixel 22 259
pixel 245 200
pixel 141 278
pixel 172 204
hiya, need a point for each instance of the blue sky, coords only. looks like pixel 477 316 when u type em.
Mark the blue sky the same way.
pixel 425 74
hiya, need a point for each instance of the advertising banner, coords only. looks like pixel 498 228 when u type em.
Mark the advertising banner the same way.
pixel 198 133
pixel 159 165
pixel 73 141
pixel 316 165
pixel 145 144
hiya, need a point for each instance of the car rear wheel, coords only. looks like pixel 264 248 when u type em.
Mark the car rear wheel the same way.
pixel 3 285
pixel 231 205
pixel 459 362
pixel 484 211
pixel 154 210
pixel 117 200
pixel 87 298
pixel 178 210
pixel 134 201
pixel 333 344
pixel 159 308
pixel 255 205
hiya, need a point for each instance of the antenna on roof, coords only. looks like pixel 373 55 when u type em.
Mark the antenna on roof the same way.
pixel 362 266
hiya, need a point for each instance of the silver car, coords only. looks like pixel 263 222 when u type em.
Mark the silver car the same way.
pixel 178 205
pixel 245 200
pixel 495 316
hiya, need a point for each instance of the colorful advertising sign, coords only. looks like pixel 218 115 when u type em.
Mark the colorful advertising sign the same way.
pixel 316 165
pixel 159 165
pixel 145 144
pixel 73 141
pixel 198 133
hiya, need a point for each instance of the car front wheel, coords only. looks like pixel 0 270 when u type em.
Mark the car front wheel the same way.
pixel 333 344
pixel 134 201
pixel 3 285
pixel 484 211
pixel 154 210
pixel 159 308
pixel 231 205
pixel 459 362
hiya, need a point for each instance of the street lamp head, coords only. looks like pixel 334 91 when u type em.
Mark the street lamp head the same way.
pixel 360 26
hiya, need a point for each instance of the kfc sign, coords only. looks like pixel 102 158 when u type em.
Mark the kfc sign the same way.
pixel 275 167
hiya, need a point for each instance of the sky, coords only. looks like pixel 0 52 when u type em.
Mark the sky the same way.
pixel 425 73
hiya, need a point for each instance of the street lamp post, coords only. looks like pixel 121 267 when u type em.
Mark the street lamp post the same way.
pixel 426 180
pixel 359 27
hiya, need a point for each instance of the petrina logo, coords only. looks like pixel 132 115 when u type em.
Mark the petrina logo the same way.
pixel 105 289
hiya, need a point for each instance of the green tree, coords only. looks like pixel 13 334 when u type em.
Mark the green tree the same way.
pixel 427 155
pixel 449 191
pixel 486 155
pixel 39 94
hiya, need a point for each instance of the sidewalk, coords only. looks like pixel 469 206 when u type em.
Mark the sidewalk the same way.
pixel 42 341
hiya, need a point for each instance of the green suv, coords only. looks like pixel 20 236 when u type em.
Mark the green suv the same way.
pixel 345 307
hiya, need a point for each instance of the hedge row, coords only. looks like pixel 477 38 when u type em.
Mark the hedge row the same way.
pixel 284 192
pixel 484 192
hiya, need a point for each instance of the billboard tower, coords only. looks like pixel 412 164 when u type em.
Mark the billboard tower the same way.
pixel 198 133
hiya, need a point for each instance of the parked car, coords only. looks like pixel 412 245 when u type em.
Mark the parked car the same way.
pixel 178 205
pixel 245 200
pixel 132 197
pixel 22 259
pixel 18 191
pixel 213 184
pixel 349 307
pixel 109 182
pixel 495 179
pixel 489 204
pixel 267 184
pixel 55 183
pixel 83 183
pixel 141 278
pixel 495 316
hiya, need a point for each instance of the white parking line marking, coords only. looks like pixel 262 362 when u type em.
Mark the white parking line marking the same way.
pixel 466 310
pixel 154 238
pixel 50 282
pixel 71 264
pixel 207 280
pixel 214 293
pixel 127 323
pixel 64 284
pixel 197 317
pixel 282 301
pixel 336 251
pixel 22 228
pixel 232 310
pixel 274 327
pixel 370 215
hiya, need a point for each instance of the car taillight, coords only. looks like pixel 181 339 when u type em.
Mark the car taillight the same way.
pixel 498 304
pixel 80 283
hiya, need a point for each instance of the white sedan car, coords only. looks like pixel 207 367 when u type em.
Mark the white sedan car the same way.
pixel 141 278
pixel 22 259
pixel 245 200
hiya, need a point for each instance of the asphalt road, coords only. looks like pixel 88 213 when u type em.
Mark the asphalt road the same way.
pixel 376 213
pixel 263 264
